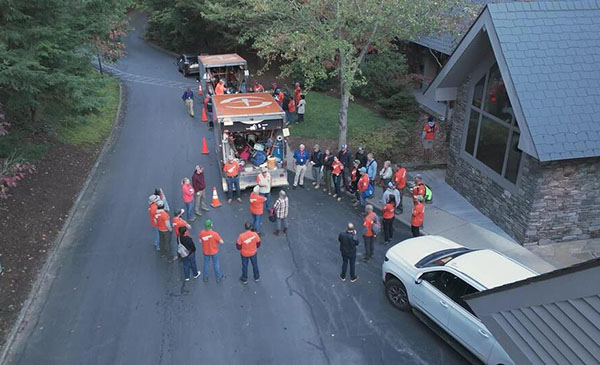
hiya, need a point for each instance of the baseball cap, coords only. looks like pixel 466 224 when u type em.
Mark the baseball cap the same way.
pixel 208 223
pixel 362 169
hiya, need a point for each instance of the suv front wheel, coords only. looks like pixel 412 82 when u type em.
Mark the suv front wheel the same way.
pixel 396 294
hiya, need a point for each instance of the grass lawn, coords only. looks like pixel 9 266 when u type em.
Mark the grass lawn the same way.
pixel 93 128
pixel 90 129
pixel 321 118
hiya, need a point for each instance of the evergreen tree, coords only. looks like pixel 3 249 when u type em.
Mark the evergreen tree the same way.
pixel 45 55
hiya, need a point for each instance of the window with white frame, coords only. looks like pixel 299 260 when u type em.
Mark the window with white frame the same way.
pixel 492 133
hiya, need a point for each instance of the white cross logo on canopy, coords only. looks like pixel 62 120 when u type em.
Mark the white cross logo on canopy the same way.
pixel 246 102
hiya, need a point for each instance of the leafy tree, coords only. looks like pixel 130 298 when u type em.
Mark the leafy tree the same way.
pixel 178 25
pixel 46 48
pixel 330 36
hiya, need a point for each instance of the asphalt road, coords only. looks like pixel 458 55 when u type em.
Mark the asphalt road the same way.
pixel 112 300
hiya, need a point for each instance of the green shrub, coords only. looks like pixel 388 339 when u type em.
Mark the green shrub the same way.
pixel 385 142
pixel 400 105
pixel 384 73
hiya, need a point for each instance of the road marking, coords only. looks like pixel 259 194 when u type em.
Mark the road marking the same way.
pixel 140 79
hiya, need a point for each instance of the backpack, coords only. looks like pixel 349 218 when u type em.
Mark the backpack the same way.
pixel 369 192
pixel 258 158
pixel 428 194
pixel 376 226
pixel 181 250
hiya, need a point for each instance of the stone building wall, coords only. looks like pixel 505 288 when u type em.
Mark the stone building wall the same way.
pixel 554 201
pixel 567 201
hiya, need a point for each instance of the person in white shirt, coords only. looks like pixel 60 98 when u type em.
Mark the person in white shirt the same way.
pixel 301 108
pixel 264 185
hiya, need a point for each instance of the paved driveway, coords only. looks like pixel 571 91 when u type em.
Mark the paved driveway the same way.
pixel 111 300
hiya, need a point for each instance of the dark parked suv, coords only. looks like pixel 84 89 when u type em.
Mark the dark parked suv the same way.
pixel 187 64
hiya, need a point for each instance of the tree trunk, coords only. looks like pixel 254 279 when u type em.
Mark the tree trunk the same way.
pixel 343 114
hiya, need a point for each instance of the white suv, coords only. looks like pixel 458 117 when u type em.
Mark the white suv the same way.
pixel 432 274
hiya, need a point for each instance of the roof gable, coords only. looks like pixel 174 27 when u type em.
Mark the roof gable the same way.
pixel 552 50
pixel 549 57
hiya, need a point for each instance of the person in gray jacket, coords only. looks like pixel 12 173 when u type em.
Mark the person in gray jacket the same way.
pixel 391 190
pixel 348 242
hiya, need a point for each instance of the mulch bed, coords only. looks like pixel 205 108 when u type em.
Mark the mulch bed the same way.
pixel 32 217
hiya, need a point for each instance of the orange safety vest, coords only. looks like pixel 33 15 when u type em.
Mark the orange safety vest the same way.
pixel 231 169
pixel 418 214
pixel 152 212
pixel 220 89
pixel 430 131
pixel 400 178
pixel 368 222
pixel 161 220
pixel 337 167
pixel 388 211
pixel 248 242
pixel 177 223
pixel 210 242
pixel 256 203
pixel 363 183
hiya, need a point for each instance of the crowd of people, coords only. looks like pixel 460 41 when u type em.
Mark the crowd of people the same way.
pixel 339 173
pixel 165 222
pixel 355 176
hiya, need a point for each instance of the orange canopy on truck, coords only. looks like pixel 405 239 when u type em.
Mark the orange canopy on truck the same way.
pixel 221 60
pixel 233 105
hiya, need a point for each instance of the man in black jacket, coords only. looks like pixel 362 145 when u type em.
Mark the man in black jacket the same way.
pixel 348 242
pixel 361 155
pixel 316 161
pixel 345 157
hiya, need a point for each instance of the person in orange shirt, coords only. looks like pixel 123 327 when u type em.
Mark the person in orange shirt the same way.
pixel 418 215
pixel 297 93
pixel 256 208
pixel 361 186
pixel 220 88
pixel 258 88
pixel 231 169
pixel 210 241
pixel 248 243
pixel 337 167
pixel 428 135
pixel 152 212
pixel 418 189
pixel 291 111
pixel 369 235
pixel 163 223
pixel 400 181
pixel 388 219
pixel 177 222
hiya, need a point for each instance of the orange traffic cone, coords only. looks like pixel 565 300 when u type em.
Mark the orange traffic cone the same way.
pixel 204 147
pixel 215 200
pixel 204 118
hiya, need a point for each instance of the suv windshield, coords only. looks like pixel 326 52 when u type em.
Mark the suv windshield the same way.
pixel 190 59
pixel 441 258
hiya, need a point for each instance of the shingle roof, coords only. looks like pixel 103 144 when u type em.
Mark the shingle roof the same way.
pixel 443 43
pixel 553 318
pixel 552 50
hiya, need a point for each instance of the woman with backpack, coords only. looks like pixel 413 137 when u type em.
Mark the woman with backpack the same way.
pixel 388 219
pixel 187 250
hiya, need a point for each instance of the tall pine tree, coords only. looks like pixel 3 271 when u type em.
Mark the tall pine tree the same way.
pixel 45 56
